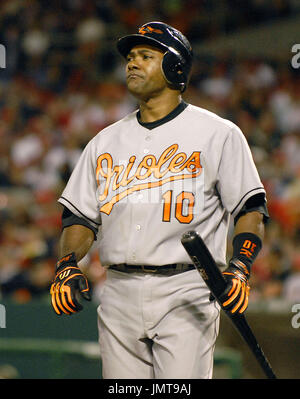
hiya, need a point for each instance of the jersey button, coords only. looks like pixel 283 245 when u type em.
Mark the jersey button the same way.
pixel 146 151
pixel 148 138
pixel 138 227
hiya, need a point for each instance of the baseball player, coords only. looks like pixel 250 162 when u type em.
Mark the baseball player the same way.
pixel 167 168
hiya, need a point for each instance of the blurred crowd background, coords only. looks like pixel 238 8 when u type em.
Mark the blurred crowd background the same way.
pixel 64 82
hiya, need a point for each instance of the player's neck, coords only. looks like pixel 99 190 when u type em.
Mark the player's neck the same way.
pixel 158 107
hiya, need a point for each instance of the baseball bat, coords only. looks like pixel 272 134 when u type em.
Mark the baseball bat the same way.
pixel 214 279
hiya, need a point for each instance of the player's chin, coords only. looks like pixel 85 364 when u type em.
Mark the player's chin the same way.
pixel 144 90
pixel 135 87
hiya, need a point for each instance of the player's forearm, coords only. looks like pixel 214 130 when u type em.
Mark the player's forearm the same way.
pixel 76 238
pixel 247 239
pixel 251 222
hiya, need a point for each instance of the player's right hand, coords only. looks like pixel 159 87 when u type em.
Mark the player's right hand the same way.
pixel 68 282
pixel 235 297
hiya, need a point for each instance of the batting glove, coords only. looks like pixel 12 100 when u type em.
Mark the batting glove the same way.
pixel 69 281
pixel 235 297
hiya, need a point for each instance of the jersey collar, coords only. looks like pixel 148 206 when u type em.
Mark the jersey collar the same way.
pixel 151 125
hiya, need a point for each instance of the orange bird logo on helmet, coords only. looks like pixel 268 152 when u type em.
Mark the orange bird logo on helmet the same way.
pixel 148 29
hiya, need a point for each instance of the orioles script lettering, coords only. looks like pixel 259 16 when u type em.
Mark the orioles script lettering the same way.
pixel 124 180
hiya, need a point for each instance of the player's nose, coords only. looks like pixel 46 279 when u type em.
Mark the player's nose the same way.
pixel 133 65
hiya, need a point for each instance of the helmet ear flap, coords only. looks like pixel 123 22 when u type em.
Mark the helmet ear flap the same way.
pixel 173 69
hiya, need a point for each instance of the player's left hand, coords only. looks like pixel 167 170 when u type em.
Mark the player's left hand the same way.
pixel 235 297
pixel 68 282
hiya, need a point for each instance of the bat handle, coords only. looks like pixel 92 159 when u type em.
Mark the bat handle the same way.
pixel 241 324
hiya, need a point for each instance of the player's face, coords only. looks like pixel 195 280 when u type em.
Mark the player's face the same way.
pixel 143 72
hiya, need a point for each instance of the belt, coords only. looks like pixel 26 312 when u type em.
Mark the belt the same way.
pixel 174 268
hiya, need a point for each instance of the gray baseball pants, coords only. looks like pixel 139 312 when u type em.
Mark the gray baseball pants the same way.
pixel 156 326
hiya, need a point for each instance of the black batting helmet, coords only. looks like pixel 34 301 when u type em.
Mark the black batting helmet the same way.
pixel 177 60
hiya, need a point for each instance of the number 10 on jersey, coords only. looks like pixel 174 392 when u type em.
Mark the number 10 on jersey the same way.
pixel 184 206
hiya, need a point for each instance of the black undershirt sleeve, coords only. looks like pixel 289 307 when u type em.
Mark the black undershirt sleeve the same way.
pixel 69 219
pixel 255 203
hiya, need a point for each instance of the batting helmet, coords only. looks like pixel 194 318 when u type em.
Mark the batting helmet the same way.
pixel 178 54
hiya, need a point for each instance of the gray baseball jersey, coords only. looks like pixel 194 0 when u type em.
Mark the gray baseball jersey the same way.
pixel 144 185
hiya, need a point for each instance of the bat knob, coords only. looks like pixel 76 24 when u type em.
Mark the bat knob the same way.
pixel 189 235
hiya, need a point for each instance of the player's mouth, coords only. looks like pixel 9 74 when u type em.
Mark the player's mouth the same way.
pixel 133 76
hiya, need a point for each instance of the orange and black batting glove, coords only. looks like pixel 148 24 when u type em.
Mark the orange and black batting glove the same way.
pixel 69 283
pixel 246 247
pixel 235 297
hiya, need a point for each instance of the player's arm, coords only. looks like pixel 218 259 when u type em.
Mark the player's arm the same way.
pixel 243 195
pixel 247 242
pixel 78 235
pixel 69 281
pixel 251 222
pixel 77 239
